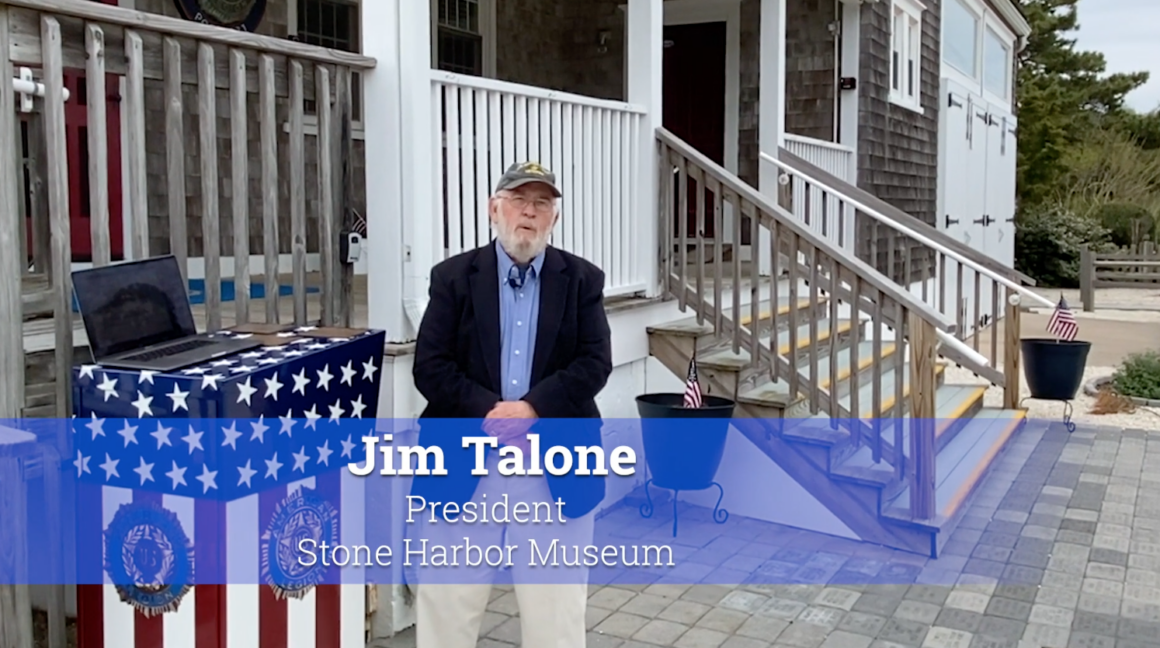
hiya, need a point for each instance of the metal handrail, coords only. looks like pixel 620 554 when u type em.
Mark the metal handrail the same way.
pixel 875 214
pixel 962 347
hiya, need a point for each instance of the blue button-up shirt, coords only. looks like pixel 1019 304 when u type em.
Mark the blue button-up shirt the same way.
pixel 519 314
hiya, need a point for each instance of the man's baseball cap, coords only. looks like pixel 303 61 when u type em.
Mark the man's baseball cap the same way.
pixel 522 173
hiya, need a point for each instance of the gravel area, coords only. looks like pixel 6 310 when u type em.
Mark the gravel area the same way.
pixel 1144 418
pixel 1147 316
pixel 1120 304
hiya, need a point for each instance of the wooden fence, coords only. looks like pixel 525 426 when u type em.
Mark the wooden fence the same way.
pixel 230 105
pixel 1131 267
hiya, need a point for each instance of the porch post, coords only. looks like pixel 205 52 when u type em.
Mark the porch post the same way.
pixel 771 110
pixel 851 21
pixel 400 224
pixel 645 52
pixel 422 178
pixel 400 183
pixel 771 93
pixel 382 132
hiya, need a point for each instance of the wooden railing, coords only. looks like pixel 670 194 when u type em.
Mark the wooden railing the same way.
pixel 592 146
pixel 960 283
pixel 212 95
pixel 1137 267
pixel 854 290
pixel 182 72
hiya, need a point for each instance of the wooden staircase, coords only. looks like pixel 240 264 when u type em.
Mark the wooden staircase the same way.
pixel 836 370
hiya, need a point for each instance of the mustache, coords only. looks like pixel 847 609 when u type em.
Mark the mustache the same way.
pixel 520 249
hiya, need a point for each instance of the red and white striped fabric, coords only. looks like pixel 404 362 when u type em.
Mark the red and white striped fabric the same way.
pixel 245 615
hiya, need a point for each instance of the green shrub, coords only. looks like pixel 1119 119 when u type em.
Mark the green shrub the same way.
pixel 1048 244
pixel 1139 376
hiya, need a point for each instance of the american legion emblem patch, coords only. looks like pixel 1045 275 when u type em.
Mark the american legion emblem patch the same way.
pixel 149 558
pixel 301 515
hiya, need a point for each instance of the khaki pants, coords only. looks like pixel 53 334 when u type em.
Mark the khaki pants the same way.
pixel 551 605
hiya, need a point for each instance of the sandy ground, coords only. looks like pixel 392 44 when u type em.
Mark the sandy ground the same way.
pixel 1122 304
pixel 1126 321
pixel 1143 418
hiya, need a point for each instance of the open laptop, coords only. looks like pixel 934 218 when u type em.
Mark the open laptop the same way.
pixel 137 316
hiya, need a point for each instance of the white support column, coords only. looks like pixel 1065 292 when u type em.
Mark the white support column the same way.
pixel 771 95
pixel 421 175
pixel 851 21
pixel 645 52
pixel 770 108
pixel 398 142
pixel 393 150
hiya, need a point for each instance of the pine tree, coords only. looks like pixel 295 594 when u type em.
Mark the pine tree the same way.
pixel 1063 93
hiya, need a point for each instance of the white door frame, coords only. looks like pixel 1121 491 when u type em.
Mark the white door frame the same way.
pixel 691 12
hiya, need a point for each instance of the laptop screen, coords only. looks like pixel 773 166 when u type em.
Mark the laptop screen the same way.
pixel 128 306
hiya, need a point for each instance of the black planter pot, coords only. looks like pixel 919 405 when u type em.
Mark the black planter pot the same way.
pixel 684 456
pixel 1054 368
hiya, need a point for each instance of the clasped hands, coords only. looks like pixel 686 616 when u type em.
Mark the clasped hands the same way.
pixel 509 422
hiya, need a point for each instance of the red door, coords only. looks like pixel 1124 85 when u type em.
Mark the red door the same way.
pixel 76 120
pixel 694 101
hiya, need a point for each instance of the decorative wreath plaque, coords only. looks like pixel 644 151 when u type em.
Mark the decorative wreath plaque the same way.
pixel 244 15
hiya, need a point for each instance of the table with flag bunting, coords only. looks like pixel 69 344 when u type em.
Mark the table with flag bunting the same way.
pixel 218 469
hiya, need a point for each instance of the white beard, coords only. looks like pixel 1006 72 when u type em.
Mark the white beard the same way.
pixel 519 249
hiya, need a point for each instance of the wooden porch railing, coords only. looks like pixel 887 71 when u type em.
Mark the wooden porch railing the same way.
pixel 176 67
pixel 217 94
pixel 592 145
pixel 960 283
pixel 854 289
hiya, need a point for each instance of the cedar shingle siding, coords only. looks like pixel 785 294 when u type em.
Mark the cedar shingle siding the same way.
pixel 555 46
pixel 748 155
pixel 811 62
pixel 570 59
pixel 274 23
pixel 897 147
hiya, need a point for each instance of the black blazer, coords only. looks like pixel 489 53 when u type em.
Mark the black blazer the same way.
pixel 457 367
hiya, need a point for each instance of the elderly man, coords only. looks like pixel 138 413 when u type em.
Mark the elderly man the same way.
pixel 514 334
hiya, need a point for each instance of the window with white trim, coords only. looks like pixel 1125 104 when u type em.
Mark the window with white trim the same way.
pixel 459 37
pixel 333 24
pixel 906 53
pixel 996 65
pixel 960 37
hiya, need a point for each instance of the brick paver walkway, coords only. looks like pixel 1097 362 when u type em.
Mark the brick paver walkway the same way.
pixel 1060 549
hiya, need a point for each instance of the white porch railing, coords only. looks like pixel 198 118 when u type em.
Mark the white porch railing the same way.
pixel 825 214
pixel 835 159
pixel 482 126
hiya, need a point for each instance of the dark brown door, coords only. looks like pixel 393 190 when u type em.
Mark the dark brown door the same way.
pixel 694 101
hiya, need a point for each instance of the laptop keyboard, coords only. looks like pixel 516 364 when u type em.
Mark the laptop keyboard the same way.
pixel 165 352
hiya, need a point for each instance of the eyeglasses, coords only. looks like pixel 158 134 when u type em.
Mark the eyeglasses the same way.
pixel 541 205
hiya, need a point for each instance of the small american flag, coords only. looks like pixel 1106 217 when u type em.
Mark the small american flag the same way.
pixel 1062 323
pixel 360 224
pixel 693 386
